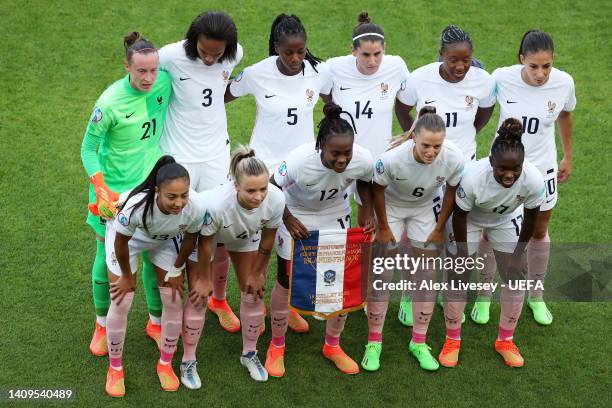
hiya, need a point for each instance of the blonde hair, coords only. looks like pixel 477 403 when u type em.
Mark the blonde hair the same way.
pixel 244 162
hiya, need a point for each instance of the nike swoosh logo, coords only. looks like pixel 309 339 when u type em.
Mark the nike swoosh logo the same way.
pixel 399 179
pixel 550 201
pixel 99 283
pixel 128 116
pixel 428 102
pixel 255 240
pixel 269 96
pixel 227 226
pixel 115 344
pixel 184 79
pixel 308 185
pixel 507 101
pixel 344 89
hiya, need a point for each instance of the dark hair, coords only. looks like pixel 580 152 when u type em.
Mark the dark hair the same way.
pixel 165 170
pixel 285 26
pixel 454 35
pixel 475 62
pixel 135 43
pixel 365 25
pixel 508 138
pixel 333 124
pixel 429 120
pixel 534 41
pixel 215 25
pixel 244 162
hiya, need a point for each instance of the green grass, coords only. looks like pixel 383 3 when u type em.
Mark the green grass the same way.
pixel 55 60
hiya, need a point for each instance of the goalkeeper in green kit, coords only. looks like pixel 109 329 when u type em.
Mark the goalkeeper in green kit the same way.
pixel 120 147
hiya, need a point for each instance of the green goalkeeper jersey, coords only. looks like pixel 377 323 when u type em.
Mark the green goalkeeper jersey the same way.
pixel 122 138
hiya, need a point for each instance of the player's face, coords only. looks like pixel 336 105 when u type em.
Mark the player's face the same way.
pixel 143 69
pixel 537 67
pixel 427 145
pixel 507 168
pixel 291 54
pixel 252 190
pixel 173 195
pixel 369 56
pixel 337 152
pixel 210 50
pixel 456 61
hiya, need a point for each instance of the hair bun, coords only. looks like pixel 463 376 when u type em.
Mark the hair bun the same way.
pixel 364 18
pixel 511 128
pixel 131 38
pixel 331 110
pixel 427 109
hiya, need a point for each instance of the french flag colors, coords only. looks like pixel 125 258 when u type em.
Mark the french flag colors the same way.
pixel 326 274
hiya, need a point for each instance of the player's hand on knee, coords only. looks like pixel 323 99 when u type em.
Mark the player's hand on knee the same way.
pixel 256 285
pixel 202 289
pixel 121 287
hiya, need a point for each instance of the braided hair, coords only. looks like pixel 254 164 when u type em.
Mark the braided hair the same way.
pixel 135 43
pixel 165 170
pixel 333 124
pixel 285 26
pixel 456 35
pixel 534 41
pixel 365 25
pixel 508 139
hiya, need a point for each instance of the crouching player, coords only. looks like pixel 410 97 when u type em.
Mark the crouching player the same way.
pixel 500 196
pixel 244 215
pixel 157 216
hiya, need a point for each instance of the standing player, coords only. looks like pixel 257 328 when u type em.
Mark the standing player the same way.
pixel 491 197
pixel 407 190
pixel 463 94
pixel 196 128
pixel 154 217
pixel 120 147
pixel 316 178
pixel 540 95
pixel 244 216
pixel 286 87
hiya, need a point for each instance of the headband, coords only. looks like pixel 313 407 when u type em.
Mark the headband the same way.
pixel 366 34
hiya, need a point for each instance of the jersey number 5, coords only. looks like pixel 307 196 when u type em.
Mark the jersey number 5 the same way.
pixel 292 115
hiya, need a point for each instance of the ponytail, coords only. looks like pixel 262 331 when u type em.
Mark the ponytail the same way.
pixel 244 162
pixel 135 43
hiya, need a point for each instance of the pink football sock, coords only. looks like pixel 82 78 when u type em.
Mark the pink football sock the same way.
pixel 279 309
pixel 220 269
pixel 376 320
pixel 193 324
pixel 251 315
pixel 116 325
pixel 538 253
pixel 172 319
pixel 423 304
pixel 333 329
pixel 511 307
pixel 487 273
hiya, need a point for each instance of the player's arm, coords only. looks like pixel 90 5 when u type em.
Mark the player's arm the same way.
pixel 402 112
pixel 202 287
pixel 366 215
pixel 228 97
pixel 482 117
pixel 460 230
pixel 187 246
pixel 257 280
pixel 293 225
pixel 123 285
pixel 566 125
pixel 326 98
pixel 383 232
pixel 527 230
pixel 448 203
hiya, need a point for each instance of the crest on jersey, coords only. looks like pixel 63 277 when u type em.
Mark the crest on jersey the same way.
pixel 384 90
pixel 123 220
pixel 225 75
pixel 263 222
pixel 329 277
pixel 380 167
pixel 469 101
pixel 520 199
pixel 96 116
pixel 309 95
pixel 440 180
pixel 282 169
pixel 160 99
pixel 551 108
pixel 460 192
pixel 239 77
pixel 207 218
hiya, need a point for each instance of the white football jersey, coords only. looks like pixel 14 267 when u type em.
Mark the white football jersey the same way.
pixel 537 107
pixel 412 184
pixel 309 186
pixel 161 227
pixel 195 130
pixel 230 222
pixel 491 204
pixel 456 103
pixel 284 106
pixel 369 98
